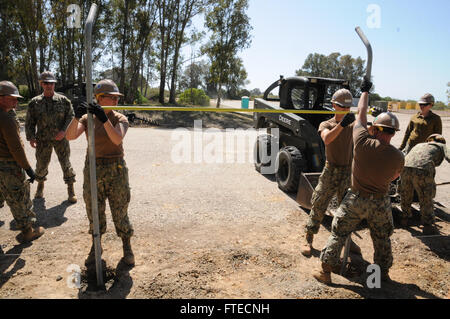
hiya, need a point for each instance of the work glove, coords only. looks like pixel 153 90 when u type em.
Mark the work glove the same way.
pixel 348 119
pixel 375 111
pixel 31 174
pixel 80 110
pixel 97 110
pixel 366 86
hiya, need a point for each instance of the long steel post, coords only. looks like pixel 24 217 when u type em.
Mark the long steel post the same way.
pixel 91 143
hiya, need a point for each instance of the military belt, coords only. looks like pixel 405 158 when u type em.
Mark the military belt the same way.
pixel 332 166
pixel 109 160
pixel 368 195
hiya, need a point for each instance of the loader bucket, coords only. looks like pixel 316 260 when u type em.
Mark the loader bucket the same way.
pixel 306 185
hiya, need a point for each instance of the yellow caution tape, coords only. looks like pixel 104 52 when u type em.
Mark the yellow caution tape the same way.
pixel 210 109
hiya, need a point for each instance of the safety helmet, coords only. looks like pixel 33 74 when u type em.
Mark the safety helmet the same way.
pixel 427 98
pixel 47 76
pixel 343 98
pixel 8 88
pixel 436 138
pixel 106 87
pixel 387 119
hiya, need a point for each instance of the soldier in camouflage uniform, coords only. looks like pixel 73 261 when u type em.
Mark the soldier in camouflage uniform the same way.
pixel 375 164
pixel 335 178
pixel 112 172
pixel 418 175
pixel 14 164
pixel 13 114
pixel 421 125
pixel 51 113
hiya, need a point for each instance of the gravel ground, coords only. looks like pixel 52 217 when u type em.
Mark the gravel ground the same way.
pixel 217 230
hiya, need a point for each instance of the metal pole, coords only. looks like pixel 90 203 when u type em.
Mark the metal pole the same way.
pixel 348 242
pixel 369 52
pixel 91 142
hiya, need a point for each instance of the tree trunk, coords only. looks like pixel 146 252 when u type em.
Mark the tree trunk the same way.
pixel 124 44
pixel 219 95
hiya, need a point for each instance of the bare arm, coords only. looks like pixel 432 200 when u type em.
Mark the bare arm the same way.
pixel 329 136
pixel 361 118
pixel 74 130
pixel 116 133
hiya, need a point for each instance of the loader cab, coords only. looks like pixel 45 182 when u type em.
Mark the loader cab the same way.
pixel 306 93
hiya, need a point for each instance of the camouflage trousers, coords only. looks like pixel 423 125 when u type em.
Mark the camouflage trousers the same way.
pixel 112 184
pixel 16 192
pixel 43 155
pixel 422 181
pixel 332 181
pixel 353 209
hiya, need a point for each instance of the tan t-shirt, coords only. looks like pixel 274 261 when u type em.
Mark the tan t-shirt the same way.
pixel 374 163
pixel 338 152
pixel 11 145
pixel 104 147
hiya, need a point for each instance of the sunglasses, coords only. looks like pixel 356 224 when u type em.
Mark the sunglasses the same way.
pixel 48 83
pixel 424 105
pixel 111 97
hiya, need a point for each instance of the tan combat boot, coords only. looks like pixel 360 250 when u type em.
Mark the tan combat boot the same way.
pixel 90 260
pixel 31 233
pixel 128 256
pixel 306 246
pixel 324 275
pixel 40 190
pixel 71 192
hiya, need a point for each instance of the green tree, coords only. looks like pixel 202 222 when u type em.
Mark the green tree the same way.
pixel 185 10
pixel 337 67
pixel 194 76
pixel 230 33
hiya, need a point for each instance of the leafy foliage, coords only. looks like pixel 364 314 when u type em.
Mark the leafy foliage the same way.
pixel 335 66
pixel 194 97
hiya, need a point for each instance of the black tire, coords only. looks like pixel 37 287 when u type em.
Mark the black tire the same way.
pixel 289 165
pixel 264 141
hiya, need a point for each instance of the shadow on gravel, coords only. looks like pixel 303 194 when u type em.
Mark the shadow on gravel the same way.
pixel 10 257
pixel 388 290
pixel 441 211
pixel 47 218
pixel 52 217
pixel 118 282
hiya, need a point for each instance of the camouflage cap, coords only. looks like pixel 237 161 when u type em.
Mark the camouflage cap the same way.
pixel 47 76
pixel 387 119
pixel 426 99
pixel 343 98
pixel 9 89
pixel 436 138
pixel 107 87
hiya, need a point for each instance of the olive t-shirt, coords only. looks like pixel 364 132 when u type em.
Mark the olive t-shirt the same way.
pixel 339 151
pixel 374 163
pixel 104 147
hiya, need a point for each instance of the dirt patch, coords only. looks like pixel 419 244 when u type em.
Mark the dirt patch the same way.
pixel 186 119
